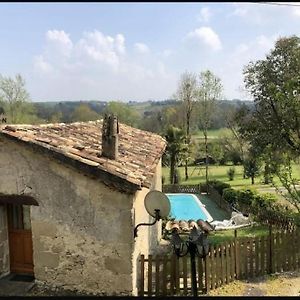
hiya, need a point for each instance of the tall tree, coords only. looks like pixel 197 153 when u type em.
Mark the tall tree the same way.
pixel 210 89
pixel 15 97
pixel 176 150
pixel 126 114
pixel 187 94
pixel 83 113
pixel 274 83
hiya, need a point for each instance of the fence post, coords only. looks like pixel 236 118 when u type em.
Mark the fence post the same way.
pixel 270 250
pixel 141 287
pixel 236 255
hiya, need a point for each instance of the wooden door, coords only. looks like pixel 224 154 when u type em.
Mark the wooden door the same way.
pixel 20 239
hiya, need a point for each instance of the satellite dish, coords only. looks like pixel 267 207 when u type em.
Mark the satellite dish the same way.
pixel 156 200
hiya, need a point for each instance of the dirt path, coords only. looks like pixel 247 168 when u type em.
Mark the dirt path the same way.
pixel 284 284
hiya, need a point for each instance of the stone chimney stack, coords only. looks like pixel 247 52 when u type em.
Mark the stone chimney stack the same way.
pixel 110 137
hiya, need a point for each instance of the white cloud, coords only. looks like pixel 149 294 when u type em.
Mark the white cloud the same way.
pixel 141 48
pixel 41 64
pixel 240 11
pixel 120 43
pixel 241 55
pixel 205 14
pixel 167 52
pixel 98 66
pixel 207 36
pixel 60 41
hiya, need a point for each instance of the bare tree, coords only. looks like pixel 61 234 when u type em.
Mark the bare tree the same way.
pixel 210 90
pixel 13 94
pixel 187 93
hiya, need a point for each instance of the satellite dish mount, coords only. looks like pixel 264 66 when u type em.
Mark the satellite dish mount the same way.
pixel 157 205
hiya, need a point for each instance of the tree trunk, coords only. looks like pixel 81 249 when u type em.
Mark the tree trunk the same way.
pixel 188 142
pixel 206 159
pixel 267 174
pixel 186 170
pixel 252 179
pixel 172 170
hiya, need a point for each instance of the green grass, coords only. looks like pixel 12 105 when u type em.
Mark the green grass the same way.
pixel 212 133
pixel 218 237
pixel 197 176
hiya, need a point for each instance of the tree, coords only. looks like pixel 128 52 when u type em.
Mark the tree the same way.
pixel 83 113
pixel 210 89
pixel 252 167
pixel 176 150
pixel 125 113
pixel 15 98
pixel 187 94
pixel 274 83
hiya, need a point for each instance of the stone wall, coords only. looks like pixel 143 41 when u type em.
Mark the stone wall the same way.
pixel 148 236
pixel 4 253
pixel 82 230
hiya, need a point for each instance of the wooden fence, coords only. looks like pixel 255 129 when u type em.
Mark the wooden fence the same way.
pixel 242 258
pixel 177 188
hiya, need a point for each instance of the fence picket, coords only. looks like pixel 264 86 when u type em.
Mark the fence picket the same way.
pixel 284 248
pixel 257 250
pixel 149 275
pixel 213 266
pixel 172 285
pixel 232 261
pixel 157 280
pixel 141 288
pixel 176 270
pixel 237 259
pixel 200 274
pixel 218 265
pixel 246 255
pixel 290 256
pixel 185 275
pixel 227 260
pixel 164 277
pixel 207 271
pixel 251 258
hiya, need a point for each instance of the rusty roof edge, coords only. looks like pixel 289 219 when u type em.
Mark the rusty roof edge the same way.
pixel 107 177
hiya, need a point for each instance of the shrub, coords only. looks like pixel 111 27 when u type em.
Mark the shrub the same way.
pixel 231 196
pixel 219 186
pixel 231 173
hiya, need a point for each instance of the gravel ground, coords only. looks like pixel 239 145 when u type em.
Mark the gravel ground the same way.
pixel 284 284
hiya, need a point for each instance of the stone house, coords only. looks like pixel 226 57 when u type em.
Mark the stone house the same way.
pixel 70 197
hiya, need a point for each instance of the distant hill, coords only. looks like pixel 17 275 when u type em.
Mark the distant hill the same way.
pixel 46 110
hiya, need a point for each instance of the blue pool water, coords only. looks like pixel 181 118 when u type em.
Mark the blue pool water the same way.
pixel 186 207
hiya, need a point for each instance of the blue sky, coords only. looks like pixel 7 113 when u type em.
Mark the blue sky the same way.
pixel 135 51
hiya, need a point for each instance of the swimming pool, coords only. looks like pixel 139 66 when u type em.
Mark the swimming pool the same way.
pixel 187 206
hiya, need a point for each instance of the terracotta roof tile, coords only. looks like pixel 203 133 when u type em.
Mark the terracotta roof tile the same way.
pixel 139 151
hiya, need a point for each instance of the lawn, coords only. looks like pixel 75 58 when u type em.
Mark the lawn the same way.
pixel 221 236
pixel 197 175
pixel 212 133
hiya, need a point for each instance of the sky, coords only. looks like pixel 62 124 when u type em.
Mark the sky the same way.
pixel 135 51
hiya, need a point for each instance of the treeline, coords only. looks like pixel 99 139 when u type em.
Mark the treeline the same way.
pixel 154 116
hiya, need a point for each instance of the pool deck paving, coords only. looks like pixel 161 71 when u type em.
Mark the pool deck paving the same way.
pixel 217 213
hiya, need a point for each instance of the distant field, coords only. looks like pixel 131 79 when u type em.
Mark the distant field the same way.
pixel 212 133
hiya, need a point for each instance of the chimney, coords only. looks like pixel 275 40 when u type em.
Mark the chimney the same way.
pixel 110 138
